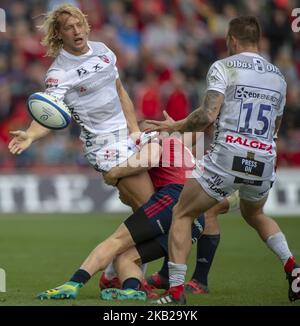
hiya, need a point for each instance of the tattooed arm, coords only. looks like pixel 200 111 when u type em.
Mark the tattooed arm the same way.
pixel 201 118
pixel 198 120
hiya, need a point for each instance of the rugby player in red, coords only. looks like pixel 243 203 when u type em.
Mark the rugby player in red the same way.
pixel 145 231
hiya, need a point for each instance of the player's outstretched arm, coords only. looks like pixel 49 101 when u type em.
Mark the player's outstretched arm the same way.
pixel 23 139
pixel 198 120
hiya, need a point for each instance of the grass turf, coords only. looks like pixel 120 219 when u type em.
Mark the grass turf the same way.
pixel 39 252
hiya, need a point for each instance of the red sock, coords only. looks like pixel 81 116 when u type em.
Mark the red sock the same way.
pixel 290 264
pixel 177 291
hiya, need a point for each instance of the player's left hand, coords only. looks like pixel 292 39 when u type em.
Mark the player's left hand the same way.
pixel 109 179
pixel 166 125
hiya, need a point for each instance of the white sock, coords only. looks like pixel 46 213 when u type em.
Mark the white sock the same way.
pixel 144 269
pixel 110 272
pixel 176 273
pixel 278 244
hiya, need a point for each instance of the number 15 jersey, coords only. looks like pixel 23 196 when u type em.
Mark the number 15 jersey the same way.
pixel 254 92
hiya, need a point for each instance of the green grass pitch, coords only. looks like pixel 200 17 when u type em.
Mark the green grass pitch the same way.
pixel 39 252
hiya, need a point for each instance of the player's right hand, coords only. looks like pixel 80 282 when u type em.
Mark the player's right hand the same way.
pixel 167 125
pixel 20 142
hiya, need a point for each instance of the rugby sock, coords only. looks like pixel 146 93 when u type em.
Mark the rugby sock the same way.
pixel 278 244
pixel 131 283
pixel 144 268
pixel 110 272
pixel 177 274
pixel 206 249
pixel 80 276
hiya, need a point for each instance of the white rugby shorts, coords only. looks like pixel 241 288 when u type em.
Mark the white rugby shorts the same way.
pixel 110 151
pixel 219 184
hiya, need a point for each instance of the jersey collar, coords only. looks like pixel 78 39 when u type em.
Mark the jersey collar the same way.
pixel 78 57
pixel 252 54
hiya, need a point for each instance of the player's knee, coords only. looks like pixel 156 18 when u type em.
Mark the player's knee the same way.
pixel 210 216
pixel 252 217
pixel 179 214
pixel 119 245
pixel 247 215
pixel 176 212
pixel 126 257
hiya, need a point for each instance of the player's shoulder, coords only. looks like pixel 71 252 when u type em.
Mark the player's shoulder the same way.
pixel 103 51
pixel 56 70
pixel 59 65
pixel 217 71
pixel 56 74
pixel 99 47
pixel 54 77
pixel 218 65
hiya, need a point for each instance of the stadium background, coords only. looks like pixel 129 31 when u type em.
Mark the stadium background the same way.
pixel 164 49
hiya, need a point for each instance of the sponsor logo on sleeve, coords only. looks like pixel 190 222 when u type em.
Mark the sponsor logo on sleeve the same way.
pixel 51 82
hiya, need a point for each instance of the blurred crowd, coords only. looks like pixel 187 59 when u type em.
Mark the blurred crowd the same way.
pixel 164 49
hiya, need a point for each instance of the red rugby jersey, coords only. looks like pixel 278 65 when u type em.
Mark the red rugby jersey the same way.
pixel 175 165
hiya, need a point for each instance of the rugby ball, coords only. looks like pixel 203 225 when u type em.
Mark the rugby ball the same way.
pixel 48 111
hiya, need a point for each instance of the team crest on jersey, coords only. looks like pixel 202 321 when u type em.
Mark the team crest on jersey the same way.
pixel 104 58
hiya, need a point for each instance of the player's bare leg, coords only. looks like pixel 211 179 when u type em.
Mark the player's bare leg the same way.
pixel 253 213
pixel 270 232
pixel 211 217
pixel 137 189
pixel 105 252
pixel 134 191
pixel 192 202
pixel 206 249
